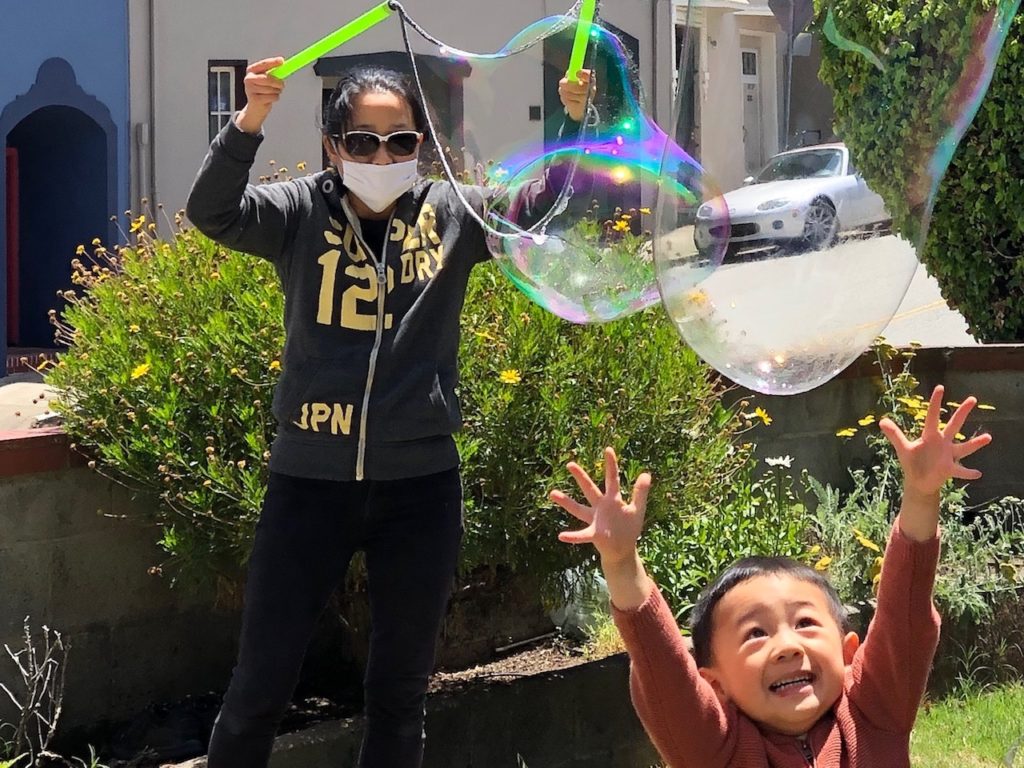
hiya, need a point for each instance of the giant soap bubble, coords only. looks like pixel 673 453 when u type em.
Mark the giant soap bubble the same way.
pixel 830 146
pixel 567 207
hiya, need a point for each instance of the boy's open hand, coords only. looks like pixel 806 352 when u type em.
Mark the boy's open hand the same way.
pixel 930 460
pixel 613 526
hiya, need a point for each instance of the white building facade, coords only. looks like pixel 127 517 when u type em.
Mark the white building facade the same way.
pixel 188 60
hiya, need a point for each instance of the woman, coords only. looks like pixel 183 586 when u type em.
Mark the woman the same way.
pixel 374 263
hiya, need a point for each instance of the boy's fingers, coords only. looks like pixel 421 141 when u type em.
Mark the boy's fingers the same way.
pixel 956 422
pixel 931 420
pixel 573 507
pixel 641 488
pixel 583 536
pixel 896 438
pixel 590 490
pixel 963 473
pixel 965 449
pixel 893 433
pixel 611 473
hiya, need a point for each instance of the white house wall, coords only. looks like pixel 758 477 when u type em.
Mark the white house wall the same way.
pixel 189 33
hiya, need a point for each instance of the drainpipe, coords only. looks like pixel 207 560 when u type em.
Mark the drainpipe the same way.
pixel 151 128
pixel 663 10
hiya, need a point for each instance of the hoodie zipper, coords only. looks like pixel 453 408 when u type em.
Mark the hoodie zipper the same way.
pixel 805 747
pixel 381 267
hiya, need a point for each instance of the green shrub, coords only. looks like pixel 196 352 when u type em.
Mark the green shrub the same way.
pixel 539 392
pixel 166 385
pixel 174 351
pixel 757 517
pixel 892 122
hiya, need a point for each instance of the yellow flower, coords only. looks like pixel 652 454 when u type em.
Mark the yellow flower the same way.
pixel 762 414
pixel 133 328
pixel 140 371
pixel 138 223
pixel 510 376
pixel 823 563
pixel 275 365
pixel 864 541
pixel 621 226
pixel 983 407
pixel 869 419
pixel 300 166
pixel 80 250
pixel 912 402
pixel 848 432
pixel 96 241
pixel 645 211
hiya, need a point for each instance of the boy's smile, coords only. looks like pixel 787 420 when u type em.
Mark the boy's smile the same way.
pixel 777 652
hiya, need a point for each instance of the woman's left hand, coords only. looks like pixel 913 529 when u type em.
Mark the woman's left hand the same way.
pixel 573 93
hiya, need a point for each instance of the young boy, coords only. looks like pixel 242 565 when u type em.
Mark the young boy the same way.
pixel 775 680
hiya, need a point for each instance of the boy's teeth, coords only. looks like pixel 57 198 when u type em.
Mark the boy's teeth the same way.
pixel 796 680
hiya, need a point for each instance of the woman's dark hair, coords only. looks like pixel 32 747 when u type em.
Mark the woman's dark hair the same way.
pixel 702 617
pixel 338 113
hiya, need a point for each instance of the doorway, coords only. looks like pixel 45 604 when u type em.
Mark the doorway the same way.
pixel 58 201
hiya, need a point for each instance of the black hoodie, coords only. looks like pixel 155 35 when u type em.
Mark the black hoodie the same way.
pixel 370 361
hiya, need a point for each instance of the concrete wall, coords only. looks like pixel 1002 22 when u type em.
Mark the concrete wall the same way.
pixel 133 640
pixel 578 717
pixel 74 556
pixel 805 426
pixel 186 35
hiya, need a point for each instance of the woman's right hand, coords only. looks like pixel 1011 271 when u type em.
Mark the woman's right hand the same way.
pixel 261 91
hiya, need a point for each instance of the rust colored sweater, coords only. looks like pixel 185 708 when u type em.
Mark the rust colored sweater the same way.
pixel 868 726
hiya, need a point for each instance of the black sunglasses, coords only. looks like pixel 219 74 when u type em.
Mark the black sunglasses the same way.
pixel 366 143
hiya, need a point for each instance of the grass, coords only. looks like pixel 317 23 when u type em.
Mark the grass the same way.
pixel 972 732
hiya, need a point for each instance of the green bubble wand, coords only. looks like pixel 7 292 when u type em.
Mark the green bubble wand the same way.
pixel 327 44
pixel 579 45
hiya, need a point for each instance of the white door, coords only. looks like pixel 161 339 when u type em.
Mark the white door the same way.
pixel 753 137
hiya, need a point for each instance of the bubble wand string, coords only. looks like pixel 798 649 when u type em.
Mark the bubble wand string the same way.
pixel 579 45
pixel 327 44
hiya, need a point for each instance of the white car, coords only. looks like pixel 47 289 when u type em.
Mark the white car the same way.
pixel 802 199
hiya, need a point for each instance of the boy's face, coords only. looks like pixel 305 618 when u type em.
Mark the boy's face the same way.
pixel 777 653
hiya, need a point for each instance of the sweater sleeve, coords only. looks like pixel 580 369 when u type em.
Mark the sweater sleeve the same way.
pixel 679 709
pixel 890 670
pixel 260 220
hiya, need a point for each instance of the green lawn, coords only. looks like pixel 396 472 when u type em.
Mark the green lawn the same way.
pixel 972 733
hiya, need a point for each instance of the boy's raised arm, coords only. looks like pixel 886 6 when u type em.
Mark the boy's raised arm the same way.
pixel 677 706
pixel 890 671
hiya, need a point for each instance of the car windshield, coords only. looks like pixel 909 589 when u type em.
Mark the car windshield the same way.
pixel 802 165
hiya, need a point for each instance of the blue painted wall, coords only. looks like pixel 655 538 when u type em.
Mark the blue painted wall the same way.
pixel 92 37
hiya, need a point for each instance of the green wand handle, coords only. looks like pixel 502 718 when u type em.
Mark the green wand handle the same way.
pixel 579 45
pixel 325 45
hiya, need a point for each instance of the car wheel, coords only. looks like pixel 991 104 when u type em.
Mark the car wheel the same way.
pixel 821 225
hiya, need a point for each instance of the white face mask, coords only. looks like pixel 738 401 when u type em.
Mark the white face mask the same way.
pixel 379 185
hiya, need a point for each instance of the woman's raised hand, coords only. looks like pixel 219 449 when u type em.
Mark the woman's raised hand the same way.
pixel 262 90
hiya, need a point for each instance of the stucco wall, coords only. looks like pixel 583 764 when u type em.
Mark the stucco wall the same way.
pixel 247 30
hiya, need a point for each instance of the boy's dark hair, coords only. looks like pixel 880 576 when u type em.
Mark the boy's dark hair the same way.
pixel 702 617
pixel 338 113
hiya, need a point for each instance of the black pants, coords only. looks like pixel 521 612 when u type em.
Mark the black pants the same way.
pixel 410 531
